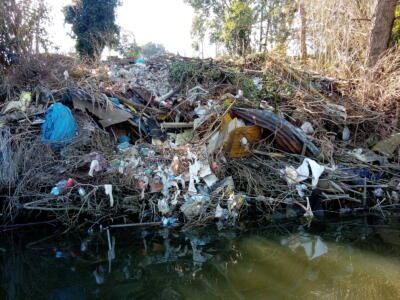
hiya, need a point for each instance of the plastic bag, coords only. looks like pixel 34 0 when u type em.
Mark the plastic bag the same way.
pixel 60 127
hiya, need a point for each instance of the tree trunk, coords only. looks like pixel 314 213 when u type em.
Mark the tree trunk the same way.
pixel 267 34
pixel 381 31
pixel 37 39
pixel 303 31
pixel 261 28
pixel 202 47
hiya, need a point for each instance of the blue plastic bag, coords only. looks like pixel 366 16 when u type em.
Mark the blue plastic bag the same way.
pixel 115 101
pixel 60 127
pixel 124 139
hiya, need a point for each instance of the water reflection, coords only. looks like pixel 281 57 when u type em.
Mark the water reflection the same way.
pixel 337 260
pixel 313 245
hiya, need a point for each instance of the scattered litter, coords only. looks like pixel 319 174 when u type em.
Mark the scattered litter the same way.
pixel 124 139
pixel 61 187
pixel 168 146
pixel 60 127
pixel 124 146
pixel 389 145
pixel 163 206
pixel 307 128
pixel 336 110
pixel 346 134
pixel 378 192
pixel 395 197
pixel 66 75
pixel 169 222
pixel 294 176
pixel 257 81
pixel 82 192
pixel 367 156
pixel 195 205
pixel 94 167
pixel 193 175
pixel 221 213
pixel 21 105
pixel 300 189
pixel 108 188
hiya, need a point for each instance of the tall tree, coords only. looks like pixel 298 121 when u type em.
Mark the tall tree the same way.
pixel 93 24
pixel 199 33
pixel 381 31
pixel 275 21
pixel 260 14
pixel 127 45
pixel 303 30
pixel 238 23
pixel 211 13
pixel 152 49
pixel 22 29
pixel 231 23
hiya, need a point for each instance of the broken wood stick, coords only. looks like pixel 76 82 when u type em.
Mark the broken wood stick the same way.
pixel 149 224
pixel 177 125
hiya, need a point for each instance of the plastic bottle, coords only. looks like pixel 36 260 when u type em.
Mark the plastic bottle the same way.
pixel 70 183
pixel 60 188
pixel 82 192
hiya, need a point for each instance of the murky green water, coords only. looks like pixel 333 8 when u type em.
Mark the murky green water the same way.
pixel 340 259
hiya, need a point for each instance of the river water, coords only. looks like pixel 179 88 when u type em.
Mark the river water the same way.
pixel 356 258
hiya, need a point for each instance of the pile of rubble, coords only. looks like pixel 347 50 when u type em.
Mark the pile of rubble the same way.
pixel 137 142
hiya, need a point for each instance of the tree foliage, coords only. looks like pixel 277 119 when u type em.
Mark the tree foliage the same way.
pixel 235 23
pixel 208 20
pixel 275 19
pixel 396 26
pixel 199 29
pixel 127 46
pixel 152 49
pixel 226 22
pixel 237 27
pixel 93 24
pixel 22 29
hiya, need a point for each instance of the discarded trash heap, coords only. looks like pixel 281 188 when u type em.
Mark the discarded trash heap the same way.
pixel 194 141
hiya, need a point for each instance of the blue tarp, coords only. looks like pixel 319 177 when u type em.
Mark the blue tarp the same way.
pixel 60 127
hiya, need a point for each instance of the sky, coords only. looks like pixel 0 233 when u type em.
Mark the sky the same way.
pixel 167 22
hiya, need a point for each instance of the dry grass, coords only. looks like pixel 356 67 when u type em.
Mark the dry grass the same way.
pixel 379 89
pixel 26 168
pixel 339 29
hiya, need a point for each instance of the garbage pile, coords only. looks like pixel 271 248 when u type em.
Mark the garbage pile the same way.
pixel 192 141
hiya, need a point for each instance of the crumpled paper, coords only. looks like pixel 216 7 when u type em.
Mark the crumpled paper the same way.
pixel 295 176
pixel 109 192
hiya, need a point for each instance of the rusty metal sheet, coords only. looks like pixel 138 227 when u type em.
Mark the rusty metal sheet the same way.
pixel 107 116
pixel 289 138
pixel 146 95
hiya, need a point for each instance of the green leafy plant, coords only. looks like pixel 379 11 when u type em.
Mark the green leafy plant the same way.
pixel 93 24
pixel 22 29
pixel 196 71
pixel 237 27
pixel 128 47
pixel 152 49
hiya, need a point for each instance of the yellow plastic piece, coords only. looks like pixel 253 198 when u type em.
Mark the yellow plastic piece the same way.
pixel 234 146
pixel 25 99
pixel 131 107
